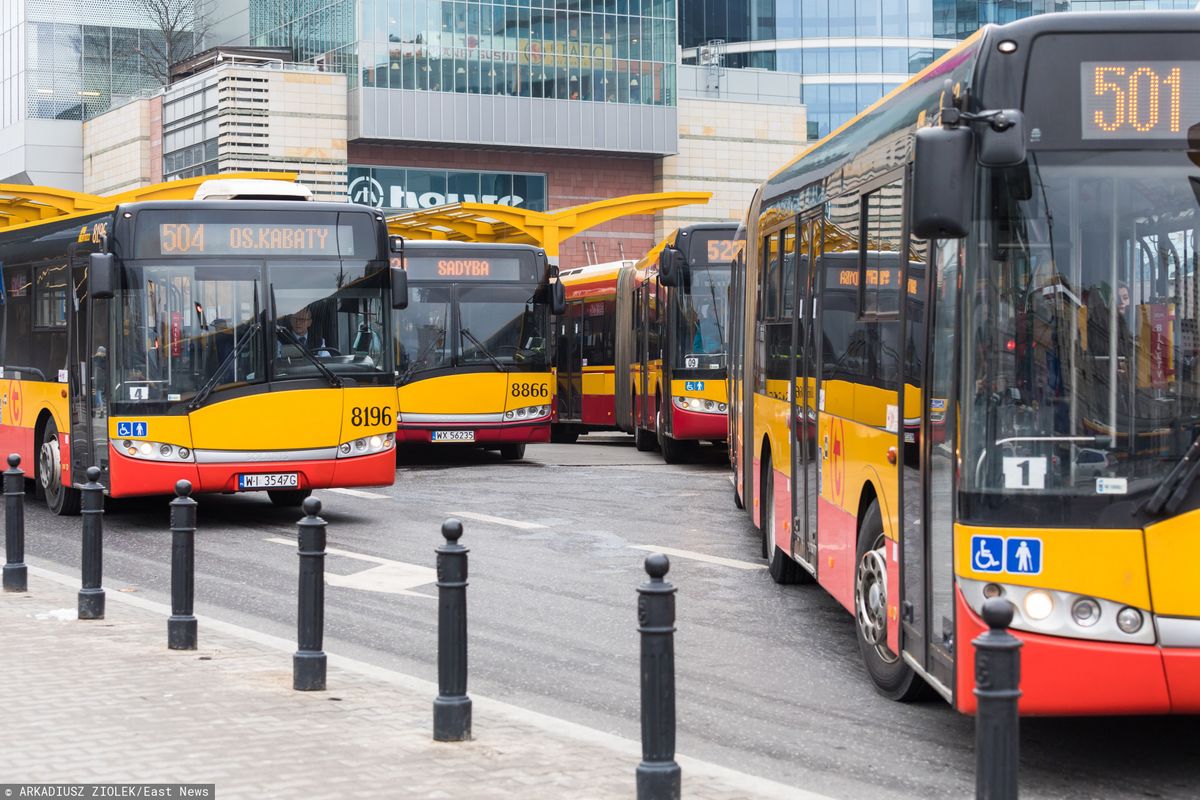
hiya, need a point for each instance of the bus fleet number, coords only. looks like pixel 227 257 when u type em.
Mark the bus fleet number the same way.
pixel 531 390
pixel 370 415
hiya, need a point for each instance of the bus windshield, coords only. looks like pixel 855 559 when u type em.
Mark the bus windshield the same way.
pixel 188 327
pixel 703 320
pixel 1080 307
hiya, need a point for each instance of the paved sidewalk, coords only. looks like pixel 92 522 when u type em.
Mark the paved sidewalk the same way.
pixel 105 701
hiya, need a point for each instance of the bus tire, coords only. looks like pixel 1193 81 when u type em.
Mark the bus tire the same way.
pixel 737 496
pixel 512 452
pixel 893 678
pixel 643 440
pixel 781 566
pixel 62 500
pixel 675 451
pixel 288 498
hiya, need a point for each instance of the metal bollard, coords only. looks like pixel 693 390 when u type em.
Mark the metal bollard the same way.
pixel 452 708
pixel 181 627
pixel 997 678
pixel 16 574
pixel 308 663
pixel 658 776
pixel 91 596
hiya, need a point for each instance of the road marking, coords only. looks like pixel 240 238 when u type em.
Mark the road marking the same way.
pixel 512 523
pixel 388 576
pixel 360 493
pixel 694 556
pixel 555 726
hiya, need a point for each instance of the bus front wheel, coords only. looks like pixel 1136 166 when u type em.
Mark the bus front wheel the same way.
pixel 62 500
pixel 288 498
pixel 892 677
pixel 512 452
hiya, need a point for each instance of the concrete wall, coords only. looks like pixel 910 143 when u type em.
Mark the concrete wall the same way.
pixel 45 152
pixel 120 148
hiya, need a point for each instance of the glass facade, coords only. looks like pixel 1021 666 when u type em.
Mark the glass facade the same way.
pixel 852 52
pixel 617 51
pixel 313 29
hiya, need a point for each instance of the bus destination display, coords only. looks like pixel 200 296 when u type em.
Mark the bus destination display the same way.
pixel 208 238
pixel 464 268
pixel 1139 99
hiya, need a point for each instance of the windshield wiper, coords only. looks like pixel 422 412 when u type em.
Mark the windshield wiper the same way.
pixel 482 348
pixel 334 380
pixel 1179 479
pixel 212 382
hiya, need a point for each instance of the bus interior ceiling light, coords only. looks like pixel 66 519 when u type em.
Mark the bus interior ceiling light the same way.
pixel 1008 47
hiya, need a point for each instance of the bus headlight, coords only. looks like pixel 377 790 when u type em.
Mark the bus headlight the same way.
pixel 698 404
pixel 152 451
pixel 1129 620
pixel 1086 612
pixel 527 413
pixel 376 443
pixel 1038 605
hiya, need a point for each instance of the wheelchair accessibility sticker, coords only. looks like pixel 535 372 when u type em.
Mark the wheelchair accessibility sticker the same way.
pixel 693 386
pixel 1018 555
pixel 132 430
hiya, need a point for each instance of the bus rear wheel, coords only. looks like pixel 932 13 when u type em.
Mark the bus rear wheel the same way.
pixel 512 452
pixel 288 498
pixel 62 500
pixel 892 677
pixel 643 440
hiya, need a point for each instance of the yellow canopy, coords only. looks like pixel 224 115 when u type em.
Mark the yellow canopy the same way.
pixel 481 222
pixel 22 204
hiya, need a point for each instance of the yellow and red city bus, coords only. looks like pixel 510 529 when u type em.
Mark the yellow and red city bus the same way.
pixel 471 348
pixel 155 341
pixel 585 351
pixel 671 344
pixel 969 366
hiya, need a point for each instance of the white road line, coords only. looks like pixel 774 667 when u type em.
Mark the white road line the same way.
pixel 512 523
pixel 360 493
pixel 694 556
pixel 387 577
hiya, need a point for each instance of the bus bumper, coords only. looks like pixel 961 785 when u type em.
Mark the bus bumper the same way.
pixel 133 477
pixel 1064 676
pixel 485 434
pixel 698 425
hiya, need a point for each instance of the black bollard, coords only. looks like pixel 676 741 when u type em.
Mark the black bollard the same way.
pixel 308 663
pixel 181 627
pixel 658 776
pixel 91 596
pixel 997 678
pixel 452 708
pixel 16 574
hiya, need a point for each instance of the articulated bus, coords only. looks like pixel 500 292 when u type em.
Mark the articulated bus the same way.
pixel 585 351
pixel 221 342
pixel 970 365
pixel 662 340
pixel 471 348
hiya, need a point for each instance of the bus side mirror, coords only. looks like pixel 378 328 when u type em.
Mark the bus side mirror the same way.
pixel 943 178
pixel 558 299
pixel 671 267
pixel 1002 140
pixel 102 275
pixel 399 288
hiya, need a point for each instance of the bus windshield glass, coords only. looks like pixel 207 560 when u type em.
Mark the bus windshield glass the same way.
pixel 1081 309
pixel 703 319
pixel 500 324
pixel 186 327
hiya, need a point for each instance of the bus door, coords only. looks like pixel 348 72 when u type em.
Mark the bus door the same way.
pixel 805 379
pixel 87 357
pixel 568 363
pixel 642 411
pixel 927 442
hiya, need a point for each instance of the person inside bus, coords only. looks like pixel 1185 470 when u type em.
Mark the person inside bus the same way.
pixel 708 337
pixel 300 324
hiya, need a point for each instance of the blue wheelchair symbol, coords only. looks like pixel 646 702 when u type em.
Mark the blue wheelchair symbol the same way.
pixel 694 386
pixel 987 553
pixel 1023 556
pixel 132 429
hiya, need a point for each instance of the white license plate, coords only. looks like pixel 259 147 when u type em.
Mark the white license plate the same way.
pixel 452 436
pixel 269 480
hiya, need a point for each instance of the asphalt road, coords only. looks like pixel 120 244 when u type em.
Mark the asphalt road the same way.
pixel 769 677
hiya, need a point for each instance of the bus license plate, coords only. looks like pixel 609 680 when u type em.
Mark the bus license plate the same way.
pixel 452 436
pixel 269 480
